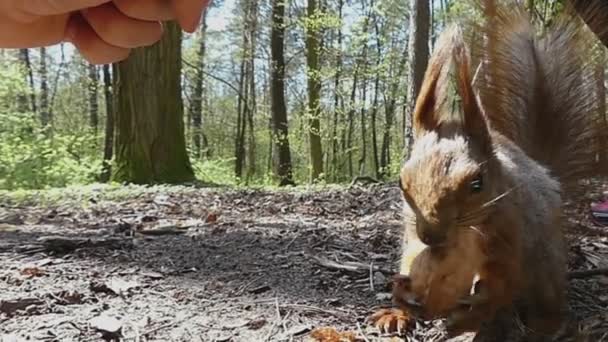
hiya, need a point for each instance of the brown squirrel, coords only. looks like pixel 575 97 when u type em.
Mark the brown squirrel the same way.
pixel 496 149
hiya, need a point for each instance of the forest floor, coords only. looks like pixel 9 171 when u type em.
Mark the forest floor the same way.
pixel 186 264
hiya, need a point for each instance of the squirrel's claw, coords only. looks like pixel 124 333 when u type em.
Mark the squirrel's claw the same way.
pixel 390 321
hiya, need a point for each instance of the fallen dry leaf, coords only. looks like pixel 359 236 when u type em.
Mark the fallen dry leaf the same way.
pixel 32 272
pixel 330 334
pixel 211 218
pixel 256 324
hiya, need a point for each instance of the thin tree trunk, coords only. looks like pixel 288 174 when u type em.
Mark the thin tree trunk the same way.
pixel 251 151
pixel 150 140
pixel 108 146
pixel 45 115
pixel 419 56
pixel 363 114
pixel 337 93
pixel 278 107
pixel 314 92
pixel 196 112
pixel 93 87
pixel 25 102
pixel 351 122
pixel 239 151
pixel 389 115
pixel 375 100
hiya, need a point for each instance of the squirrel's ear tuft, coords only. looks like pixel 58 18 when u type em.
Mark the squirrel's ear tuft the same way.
pixel 447 103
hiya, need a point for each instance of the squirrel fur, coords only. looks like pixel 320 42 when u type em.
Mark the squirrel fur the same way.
pixel 498 145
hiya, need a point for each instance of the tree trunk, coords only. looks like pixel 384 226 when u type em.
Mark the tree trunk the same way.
pixel 389 115
pixel 351 122
pixel 196 110
pixel 150 141
pixel 314 92
pixel 239 150
pixel 251 150
pixel 337 94
pixel 93 86
pixel 45 115
pixel 108 146
pixel 418 58
pixel 363 114
pixel 25 102
pixel 375 101
pixel 278 108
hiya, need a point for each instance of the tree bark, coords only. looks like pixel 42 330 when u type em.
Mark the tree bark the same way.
pixel 251 148
pixel 196 110
pixel 93 87
pixel 389 114
pixel 418 57
pixel 314 92
pixel 25 102
pixel 278 108
pixel 375 101
pixel 108 146
pixel 45 115
pixel 338 112
pixel 150 140
pixel 239 150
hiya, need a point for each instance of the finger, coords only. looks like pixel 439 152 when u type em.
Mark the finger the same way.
pixel 90 45
pixel 153 10
pixel 53 7
pixel 188 12
pixel 42 32
pixel 119 30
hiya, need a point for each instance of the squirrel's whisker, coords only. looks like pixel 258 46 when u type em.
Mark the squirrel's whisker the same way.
pixel 498 198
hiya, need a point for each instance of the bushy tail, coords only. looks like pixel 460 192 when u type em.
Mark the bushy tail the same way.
pixel 540 90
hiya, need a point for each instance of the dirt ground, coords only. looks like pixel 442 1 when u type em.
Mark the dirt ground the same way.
pixel 186 264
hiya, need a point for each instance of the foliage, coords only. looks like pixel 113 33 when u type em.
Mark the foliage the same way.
pixel 30 158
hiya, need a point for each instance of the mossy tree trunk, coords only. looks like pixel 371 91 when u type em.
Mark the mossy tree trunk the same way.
pixel 150 141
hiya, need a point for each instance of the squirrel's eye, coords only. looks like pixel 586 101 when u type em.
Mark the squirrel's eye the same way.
pixel 477 184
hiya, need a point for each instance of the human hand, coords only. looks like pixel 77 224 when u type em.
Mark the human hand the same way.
pixel 103 31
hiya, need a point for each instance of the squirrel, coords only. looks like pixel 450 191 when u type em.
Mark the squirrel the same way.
pixel 505 125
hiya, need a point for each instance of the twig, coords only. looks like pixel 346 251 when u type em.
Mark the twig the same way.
pixel 361 332
pixel 588 273
pixel 275 323
pixel 160 327
pixel 371 276
pixel 350 266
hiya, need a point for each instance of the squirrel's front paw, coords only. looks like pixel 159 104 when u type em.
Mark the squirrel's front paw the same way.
pixel 390 321
pixel 469 314
pixel 404 298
